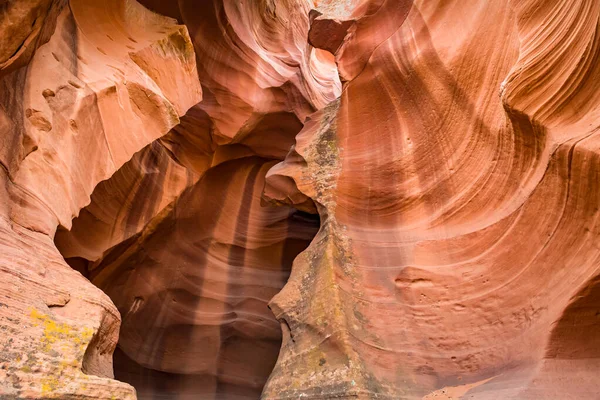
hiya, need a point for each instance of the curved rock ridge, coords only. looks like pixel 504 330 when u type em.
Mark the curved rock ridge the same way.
pixel 256 69
pixel 456 183
pixel 106 80
pixel 193 287
pixel 255 60
pixel 260 82
pixel 80 92
pixel 124 204
pixel 554 79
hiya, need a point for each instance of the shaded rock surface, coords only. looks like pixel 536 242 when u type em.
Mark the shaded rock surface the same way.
pixel 193 287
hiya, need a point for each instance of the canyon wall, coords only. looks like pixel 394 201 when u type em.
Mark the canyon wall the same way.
pixel 379 199
pixel 457 183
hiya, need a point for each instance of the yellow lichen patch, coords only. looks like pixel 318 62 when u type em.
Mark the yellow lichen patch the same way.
pixel 65 344
pixel 49 384
pixel 55 331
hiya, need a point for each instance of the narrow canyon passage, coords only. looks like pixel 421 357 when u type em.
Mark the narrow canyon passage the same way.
pixel 181 237
pixel 192 287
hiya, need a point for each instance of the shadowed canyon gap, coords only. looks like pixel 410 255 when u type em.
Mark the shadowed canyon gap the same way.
pixel 299 199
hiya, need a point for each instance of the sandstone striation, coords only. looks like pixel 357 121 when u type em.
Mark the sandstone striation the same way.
pixel 318 199
pixel 455 179
pixel 193 288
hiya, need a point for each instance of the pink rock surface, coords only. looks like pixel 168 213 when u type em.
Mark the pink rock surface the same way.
pixel 411 186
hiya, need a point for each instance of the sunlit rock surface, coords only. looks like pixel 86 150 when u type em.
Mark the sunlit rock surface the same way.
pixel 379 199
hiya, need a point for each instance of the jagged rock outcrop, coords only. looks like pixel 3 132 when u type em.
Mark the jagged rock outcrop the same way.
pixel 411 186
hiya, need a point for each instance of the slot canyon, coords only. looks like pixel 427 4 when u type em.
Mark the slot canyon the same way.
pixel 299 199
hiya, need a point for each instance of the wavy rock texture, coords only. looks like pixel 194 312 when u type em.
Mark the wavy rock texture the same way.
pixel 124 204
pixel 260 81
pixel 105 70
pixel 259 75
pixel 411 186
pixel 456 180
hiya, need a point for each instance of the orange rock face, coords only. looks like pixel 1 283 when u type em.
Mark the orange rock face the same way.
pixel 379 199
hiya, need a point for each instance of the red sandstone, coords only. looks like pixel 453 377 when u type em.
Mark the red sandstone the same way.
pixel 379 199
